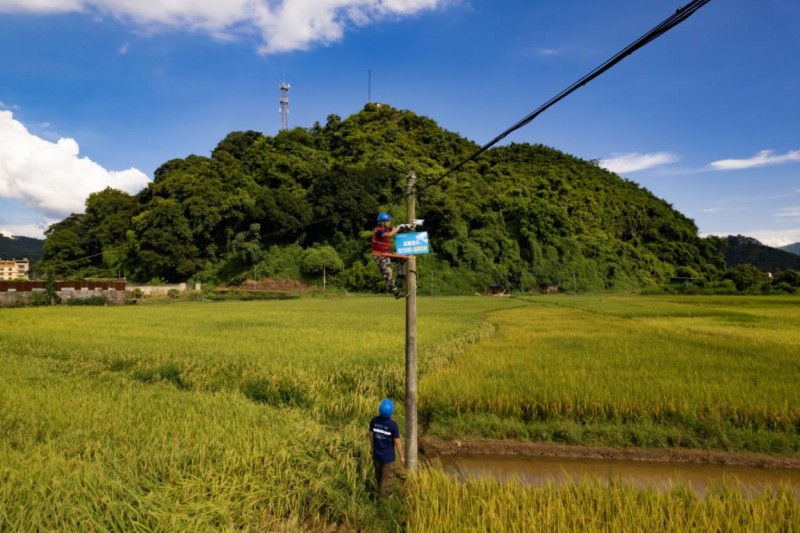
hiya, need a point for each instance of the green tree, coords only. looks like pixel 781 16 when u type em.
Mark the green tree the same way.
pixel 246 246
pixel 321 258
pixel 165 245
pixel 746 277
pixel 108 215
pixel 108 219
pixel 348 199
pixel 67 248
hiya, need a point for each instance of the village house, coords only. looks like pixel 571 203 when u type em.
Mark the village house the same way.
pixel 11 269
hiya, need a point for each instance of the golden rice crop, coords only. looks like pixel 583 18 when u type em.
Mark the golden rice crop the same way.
pixel 252 415
pixel 200 417
pixel 715 365
pixel 437 503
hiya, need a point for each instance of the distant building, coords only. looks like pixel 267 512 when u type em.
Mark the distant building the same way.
pixel 11 269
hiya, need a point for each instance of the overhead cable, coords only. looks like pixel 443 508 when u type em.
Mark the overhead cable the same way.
pixel 670 22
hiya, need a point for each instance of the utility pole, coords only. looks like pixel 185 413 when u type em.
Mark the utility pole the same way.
pixel 411 336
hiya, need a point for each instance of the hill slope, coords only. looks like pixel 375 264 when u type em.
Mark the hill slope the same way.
pixel 524 215
pixel 21 248
pixel 791 248
pixel 743 250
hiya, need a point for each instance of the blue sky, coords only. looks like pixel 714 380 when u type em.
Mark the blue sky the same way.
pixel 101 92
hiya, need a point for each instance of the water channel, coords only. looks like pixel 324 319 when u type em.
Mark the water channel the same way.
pixel 539 471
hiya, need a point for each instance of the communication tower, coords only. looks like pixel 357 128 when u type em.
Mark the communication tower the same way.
pixel 284 106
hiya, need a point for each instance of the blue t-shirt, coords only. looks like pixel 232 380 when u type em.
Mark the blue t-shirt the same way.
pixel 384 431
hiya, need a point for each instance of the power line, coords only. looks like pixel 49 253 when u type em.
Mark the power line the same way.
pixel 670 22
pixel 62 264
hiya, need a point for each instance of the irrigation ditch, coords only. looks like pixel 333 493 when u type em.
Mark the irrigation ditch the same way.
pixel 541 464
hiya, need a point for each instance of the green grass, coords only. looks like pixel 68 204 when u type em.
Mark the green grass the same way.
pixel 252 415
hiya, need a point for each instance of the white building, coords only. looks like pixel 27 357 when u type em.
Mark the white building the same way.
pixel 11 269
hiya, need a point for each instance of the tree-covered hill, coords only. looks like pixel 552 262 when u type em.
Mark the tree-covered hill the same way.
pixel 740 250
pixel 21 248
pixel 288 205
pixel 793 248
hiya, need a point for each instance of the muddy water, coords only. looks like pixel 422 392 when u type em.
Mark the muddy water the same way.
pixel 540 471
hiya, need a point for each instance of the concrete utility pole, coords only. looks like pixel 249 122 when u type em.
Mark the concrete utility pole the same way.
pixel 411 336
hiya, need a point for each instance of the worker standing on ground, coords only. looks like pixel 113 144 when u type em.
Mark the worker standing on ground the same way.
pixel 382 250
pixel 384 439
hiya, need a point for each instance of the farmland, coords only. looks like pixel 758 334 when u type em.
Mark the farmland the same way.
pixel 717 373
pixel 252 415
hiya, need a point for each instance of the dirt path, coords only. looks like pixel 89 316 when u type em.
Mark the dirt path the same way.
pixel 432 448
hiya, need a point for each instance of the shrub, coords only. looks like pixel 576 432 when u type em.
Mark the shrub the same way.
pixel 39 299
pixel 284 393
pixel 92 300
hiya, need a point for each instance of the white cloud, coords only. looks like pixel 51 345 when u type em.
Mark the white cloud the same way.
pixel 51 177
pixel 283 25
pixel 761 159
pixel 789 212
pixel 635 161
pixel 725 209
pixel 26 230
pixel 774 238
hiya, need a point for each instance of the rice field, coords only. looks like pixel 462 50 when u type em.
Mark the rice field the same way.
pixel 252 415
pixel 437 504
pixel 709 372
pixel 205 416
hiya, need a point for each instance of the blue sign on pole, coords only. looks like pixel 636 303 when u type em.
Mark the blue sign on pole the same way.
pixel 412 243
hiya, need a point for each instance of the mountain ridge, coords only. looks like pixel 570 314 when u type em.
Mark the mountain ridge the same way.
pixel 741 250
pixel 793 248
pixel 21 248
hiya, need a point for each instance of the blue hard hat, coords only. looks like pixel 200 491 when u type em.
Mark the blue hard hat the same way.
pixel 386 408
pixel 384 217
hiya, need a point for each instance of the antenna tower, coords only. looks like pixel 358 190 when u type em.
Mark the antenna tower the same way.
pixel 284 106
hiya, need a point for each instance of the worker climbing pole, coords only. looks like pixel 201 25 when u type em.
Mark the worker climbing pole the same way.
pixel 382 252
pixel 413 248
pixel 407 247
